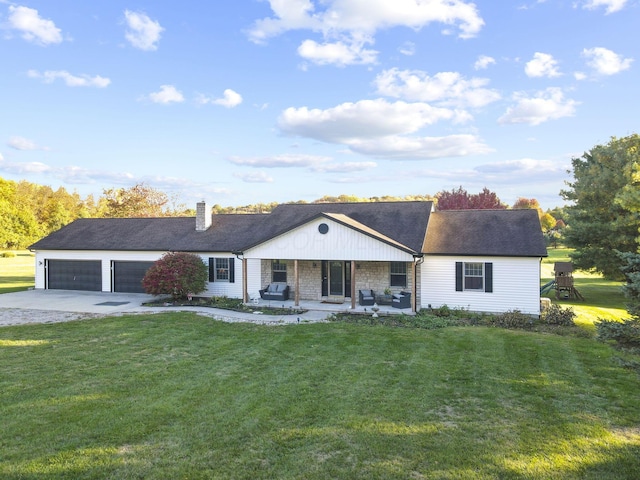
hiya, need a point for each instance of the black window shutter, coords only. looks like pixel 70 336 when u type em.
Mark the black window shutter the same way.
pixel 232 271
pixel 212 269
pixel 488 277
pixel 458 276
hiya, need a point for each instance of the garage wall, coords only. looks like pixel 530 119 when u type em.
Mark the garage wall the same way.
pixel 106 258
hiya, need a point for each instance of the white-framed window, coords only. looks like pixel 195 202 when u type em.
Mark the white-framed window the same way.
pixel 398 277
pixel 473 276
pixel 278 271
pixel 221 269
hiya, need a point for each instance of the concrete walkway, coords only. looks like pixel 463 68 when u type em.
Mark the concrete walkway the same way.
pixel 51 306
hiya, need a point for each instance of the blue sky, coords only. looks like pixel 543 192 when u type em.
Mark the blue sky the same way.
pixel 283 100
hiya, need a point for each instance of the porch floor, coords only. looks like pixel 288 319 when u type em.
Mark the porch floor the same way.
pixel 329 307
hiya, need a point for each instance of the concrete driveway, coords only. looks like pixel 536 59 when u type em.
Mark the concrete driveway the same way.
pixel 75 301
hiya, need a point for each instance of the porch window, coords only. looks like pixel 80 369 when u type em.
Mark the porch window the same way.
pixel 278 271
pixel 221 270
pixel 398 274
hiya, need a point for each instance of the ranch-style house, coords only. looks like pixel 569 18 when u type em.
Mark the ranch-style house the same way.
pixel 481 260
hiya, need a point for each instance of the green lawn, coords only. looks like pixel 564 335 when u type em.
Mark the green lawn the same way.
pixel 179 396
pixel 17 273
pixel 602 298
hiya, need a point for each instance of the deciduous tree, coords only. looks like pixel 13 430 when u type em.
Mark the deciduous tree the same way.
pixel 137 201
pixel 460 199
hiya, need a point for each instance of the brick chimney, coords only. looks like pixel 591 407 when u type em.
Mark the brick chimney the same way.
pixel 203 217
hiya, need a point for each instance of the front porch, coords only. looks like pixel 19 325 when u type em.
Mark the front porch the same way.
pixel 330 285
pixel 329 306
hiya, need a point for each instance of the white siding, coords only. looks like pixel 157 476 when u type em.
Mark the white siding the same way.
pixel 224 288
pixel 516 285
pixel 339 243
pixel 254 282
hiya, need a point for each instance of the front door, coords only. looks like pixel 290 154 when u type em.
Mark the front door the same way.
pixel 336 278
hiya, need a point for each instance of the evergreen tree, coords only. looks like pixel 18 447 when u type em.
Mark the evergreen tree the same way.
pixel 604 215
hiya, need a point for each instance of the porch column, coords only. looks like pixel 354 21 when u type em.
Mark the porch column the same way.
pixel 414 287
pixel 245 290
pixel 353 284
pixel 417 260
pixel 297 282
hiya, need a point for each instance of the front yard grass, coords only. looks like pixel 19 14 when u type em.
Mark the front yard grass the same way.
pixel 17 272
pixel 175 395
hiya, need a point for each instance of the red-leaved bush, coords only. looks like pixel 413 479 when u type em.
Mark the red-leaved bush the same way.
pixel 177 274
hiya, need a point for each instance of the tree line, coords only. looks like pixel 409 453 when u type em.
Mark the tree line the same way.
pixel 29 211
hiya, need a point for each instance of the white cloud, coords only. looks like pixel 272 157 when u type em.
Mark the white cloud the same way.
pixel 142 33
pixel 33 27
pixel 542 65
pixel 70 80
pixel 230 99
pixel 346 167
pixel 315 163
pixel 610 5
pixel 367 17
pixel 420 148
pixel 525 169
pixel 444 88
pixel 347 25
pixel 23 168
pixel 382 129
pixel 281 161
pixel 254 177
pixel 483 62
pixel 363 119
pixel 546 105
pixel 21 143
pixel 167 94
pixel 605 62
pixel 408 49
pixel 337 53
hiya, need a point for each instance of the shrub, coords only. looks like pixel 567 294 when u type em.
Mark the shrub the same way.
pixel 624 334
pixel 556 315
pixel 176 274
pixel 443 311
pixel 513 319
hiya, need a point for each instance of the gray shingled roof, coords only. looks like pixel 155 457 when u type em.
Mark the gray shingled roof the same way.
pixel 403 222
pixel 485 232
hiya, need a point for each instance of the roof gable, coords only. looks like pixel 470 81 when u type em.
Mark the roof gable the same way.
pixel 331 236
pixel 485 232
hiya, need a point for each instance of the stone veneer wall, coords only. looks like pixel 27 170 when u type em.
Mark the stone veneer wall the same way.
pixel 369 275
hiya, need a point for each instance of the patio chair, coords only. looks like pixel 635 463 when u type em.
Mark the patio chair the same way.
pixel 275 291
pixel 401 300
pixel 367 297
